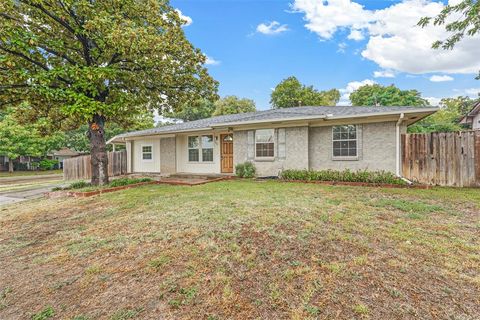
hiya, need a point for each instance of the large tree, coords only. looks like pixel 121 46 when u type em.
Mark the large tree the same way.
pixel 89 62
pixel 232 105
pixel 198 109
pixel 462 18
pixel 375 94
pixel 447 118
pixel 291 93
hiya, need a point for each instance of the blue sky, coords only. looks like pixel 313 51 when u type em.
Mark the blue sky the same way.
pixel 336 44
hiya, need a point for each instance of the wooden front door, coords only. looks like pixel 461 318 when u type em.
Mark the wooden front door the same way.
pixel 226 153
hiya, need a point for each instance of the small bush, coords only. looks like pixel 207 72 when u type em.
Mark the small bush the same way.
pixel 342 176
pixel 79 185
pixel 126 181
pixel 245 170
pixel 47 164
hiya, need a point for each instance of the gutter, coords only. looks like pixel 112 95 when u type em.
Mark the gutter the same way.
pixel 397 136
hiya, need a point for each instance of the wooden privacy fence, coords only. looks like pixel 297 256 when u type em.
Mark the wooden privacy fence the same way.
pixel 445 159
pixel 80 168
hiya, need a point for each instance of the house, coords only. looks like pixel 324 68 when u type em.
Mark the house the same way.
pixel 62 154
pixel 316 138
pixel 20 163
pixel 473 117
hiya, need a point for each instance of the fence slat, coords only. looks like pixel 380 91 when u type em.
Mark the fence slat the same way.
pixel 80 168
pixel 446 159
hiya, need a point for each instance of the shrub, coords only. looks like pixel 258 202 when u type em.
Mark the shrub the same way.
pixel 342 176
pixel 245 170
pixel 47 164
pixel 126 181
pixel 79 185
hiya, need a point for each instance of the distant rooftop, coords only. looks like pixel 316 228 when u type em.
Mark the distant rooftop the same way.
pixel 276 115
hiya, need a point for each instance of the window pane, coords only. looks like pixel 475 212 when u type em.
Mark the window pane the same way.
pixel 336 135
pixel 264 149
pixel 344 152
pixel 147 149
pixel 352 144
pixel 207 142
pixel 336 152
pixel 193 155
pixel 343 144
pixel 352 152
pixel 352 135
pixel 344 135
pixel 264 135
pixel 207 154
pixel 344 141
pixel 193 142
pixel 147 156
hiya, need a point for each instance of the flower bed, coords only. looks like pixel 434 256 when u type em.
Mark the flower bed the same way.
pixel 346 177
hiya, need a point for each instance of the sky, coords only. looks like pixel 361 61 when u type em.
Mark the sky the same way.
pixel 253 45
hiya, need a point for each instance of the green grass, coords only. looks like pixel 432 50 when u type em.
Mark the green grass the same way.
pixel 29 173
pixel 246 249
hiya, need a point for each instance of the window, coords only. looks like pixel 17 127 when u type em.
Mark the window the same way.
pixel 345 141
pixel 147 153
pixel 264 144
pixel 200 145
pixel 207 148
pixel 193 149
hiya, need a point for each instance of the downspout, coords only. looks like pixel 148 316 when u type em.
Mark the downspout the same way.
pixel 398 141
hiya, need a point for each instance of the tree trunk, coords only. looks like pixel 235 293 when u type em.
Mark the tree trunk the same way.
pixel 98 150
pixel 10 165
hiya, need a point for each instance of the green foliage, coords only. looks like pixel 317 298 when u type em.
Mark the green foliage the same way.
pixel 19 140
pixel 45 314
pixel 78 185
pixel 47 164
pixel 291 93
pixel 126 181
pixel 198 109
pixel 233 105
pixel 245 170
pixel 447 118
pixel 342 176
pixel 83 58
pixel 373 95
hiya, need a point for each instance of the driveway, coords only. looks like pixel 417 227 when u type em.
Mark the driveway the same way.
pixel 21 188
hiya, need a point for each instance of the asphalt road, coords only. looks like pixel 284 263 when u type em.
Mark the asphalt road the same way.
pixel 21 188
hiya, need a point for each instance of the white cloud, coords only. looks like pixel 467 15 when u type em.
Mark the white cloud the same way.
pixel 341 47
pixel 352 86
pixel 472 92
pixel 186 19
pixel 272 28
pixel 383 74
pixel 211 61
pixel 434 101
pixel 395 42
pixel 356 35
pixel 438 78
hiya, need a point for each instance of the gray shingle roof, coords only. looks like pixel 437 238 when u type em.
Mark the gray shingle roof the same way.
pixel 273 114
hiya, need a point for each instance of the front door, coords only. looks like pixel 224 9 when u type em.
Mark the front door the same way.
pixel 226 153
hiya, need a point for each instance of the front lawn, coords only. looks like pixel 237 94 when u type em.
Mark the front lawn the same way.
pixel 244 250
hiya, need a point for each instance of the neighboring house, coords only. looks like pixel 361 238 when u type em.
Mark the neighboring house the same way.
pixel 62 154
pixel 314 138
pixel 473 117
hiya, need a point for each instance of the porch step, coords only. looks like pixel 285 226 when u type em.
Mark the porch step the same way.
pixel 197 176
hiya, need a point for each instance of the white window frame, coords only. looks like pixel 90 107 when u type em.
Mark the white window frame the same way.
pixel 255 145
pixel 200 148
pixel 334 157
pixel 151 152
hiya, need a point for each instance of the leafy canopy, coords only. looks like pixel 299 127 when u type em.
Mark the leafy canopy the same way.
pixel 447 118
pixel 460 19
pixel 372 95
pixel 74 60
pixel 233 105
pixel 19 140
pixel 291 93
pixel 198 109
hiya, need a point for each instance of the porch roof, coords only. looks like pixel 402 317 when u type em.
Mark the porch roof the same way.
pixel 276 115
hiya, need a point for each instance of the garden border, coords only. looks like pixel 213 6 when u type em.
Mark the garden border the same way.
pixel 362 184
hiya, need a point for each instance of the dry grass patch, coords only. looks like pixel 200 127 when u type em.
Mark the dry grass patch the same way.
pixel 242 249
